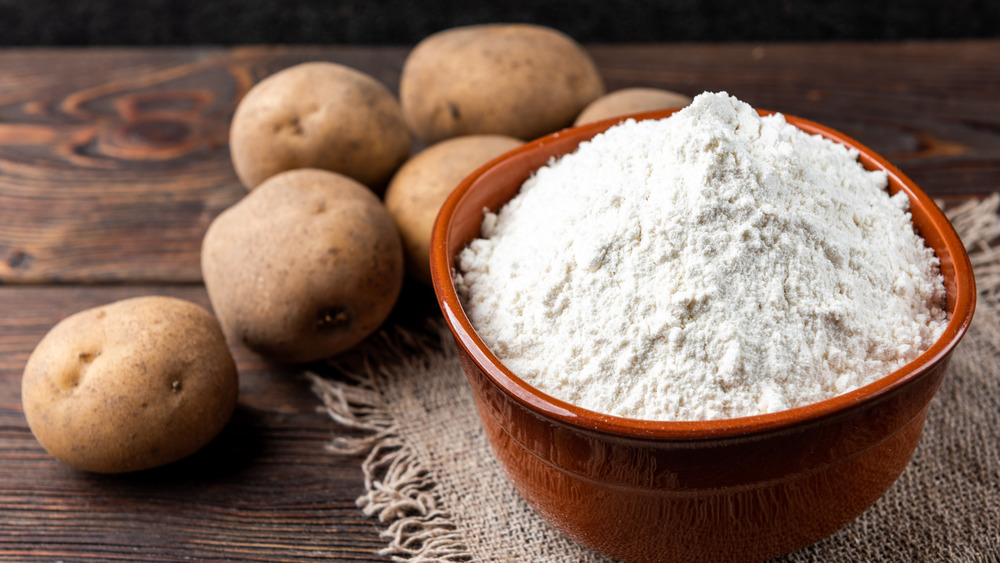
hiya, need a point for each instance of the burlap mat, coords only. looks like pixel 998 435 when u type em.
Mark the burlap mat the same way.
pixel 431 478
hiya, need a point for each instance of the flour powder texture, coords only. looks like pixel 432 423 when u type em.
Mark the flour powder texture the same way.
pixel 713 264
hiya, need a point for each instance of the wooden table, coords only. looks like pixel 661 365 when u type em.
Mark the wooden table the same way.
pixel 113 162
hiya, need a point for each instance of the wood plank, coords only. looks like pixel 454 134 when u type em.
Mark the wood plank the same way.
pixel 931 108
pixel 264 490
pixel 113 162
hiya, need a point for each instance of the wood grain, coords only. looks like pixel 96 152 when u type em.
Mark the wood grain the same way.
pixel 113 162
pixel 932 109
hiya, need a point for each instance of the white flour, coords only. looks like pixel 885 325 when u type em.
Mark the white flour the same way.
pixel 710 265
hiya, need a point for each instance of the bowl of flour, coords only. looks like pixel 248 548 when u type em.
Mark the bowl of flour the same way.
pixel 708 334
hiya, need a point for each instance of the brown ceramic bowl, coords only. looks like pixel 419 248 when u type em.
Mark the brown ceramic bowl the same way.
pixel 741 489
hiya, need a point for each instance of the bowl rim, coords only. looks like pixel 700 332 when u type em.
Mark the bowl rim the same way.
pixel 547 406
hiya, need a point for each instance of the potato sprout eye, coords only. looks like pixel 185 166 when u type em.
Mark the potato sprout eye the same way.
pixel 333 317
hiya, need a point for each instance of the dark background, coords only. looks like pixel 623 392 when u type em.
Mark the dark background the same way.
pixel 373 22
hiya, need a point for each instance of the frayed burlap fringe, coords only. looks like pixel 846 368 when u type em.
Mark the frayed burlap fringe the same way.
pixel 401 489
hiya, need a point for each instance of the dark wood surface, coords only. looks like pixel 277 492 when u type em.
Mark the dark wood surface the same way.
pixel 113 162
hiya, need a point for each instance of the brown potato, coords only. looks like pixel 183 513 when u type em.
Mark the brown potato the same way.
pixel 523 81
pixel 630 100
pixel 419 188
pixel 131 385
pixel 304 267
pixel 319 115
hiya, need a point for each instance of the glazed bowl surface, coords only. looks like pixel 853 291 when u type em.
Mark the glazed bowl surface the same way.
pixel 739 489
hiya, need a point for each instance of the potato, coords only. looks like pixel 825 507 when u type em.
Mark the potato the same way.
pixel 304 267
pixel 628 101
pixel 419 188
pixel 131 385
pixel 319 115
pixel 523 81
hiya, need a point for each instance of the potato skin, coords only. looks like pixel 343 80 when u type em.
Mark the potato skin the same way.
pixel 628 101
pixel 130 385
pixel 319 115
pixel 421 185
pixel 523 81
pixel 304 267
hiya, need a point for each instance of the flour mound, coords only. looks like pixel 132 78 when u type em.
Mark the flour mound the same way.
pixel 713 264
